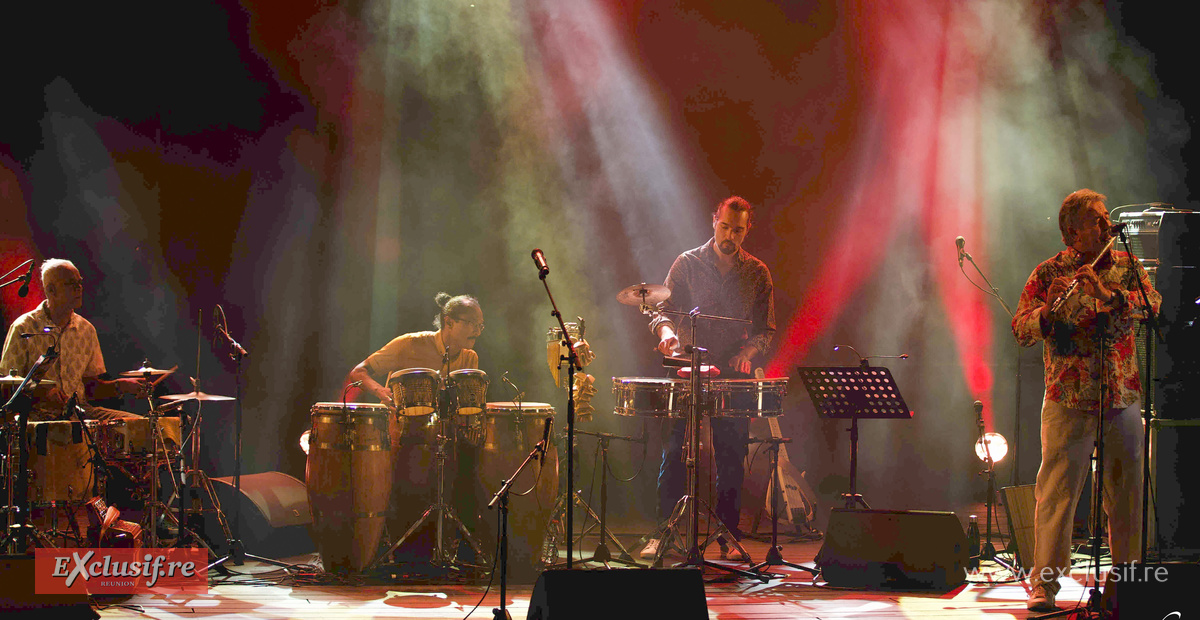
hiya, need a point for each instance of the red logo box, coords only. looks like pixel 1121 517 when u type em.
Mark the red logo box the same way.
pixel 119 571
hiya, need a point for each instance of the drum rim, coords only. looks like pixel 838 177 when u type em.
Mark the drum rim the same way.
pixel 416 370
pixel 349 406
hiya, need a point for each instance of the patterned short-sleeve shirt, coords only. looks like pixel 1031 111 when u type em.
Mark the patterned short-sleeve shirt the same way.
pixel 78 349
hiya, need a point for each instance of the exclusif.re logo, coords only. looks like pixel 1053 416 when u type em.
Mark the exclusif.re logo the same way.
pixel 119 571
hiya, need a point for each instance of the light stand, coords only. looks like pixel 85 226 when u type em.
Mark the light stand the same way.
pixel 988 551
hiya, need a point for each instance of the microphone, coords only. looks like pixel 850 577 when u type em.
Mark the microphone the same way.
pixel 28 277
pixel 979 412
pixel 961 244
pixel 72 405
pixel 539 259
pixel 546 437
pixel 1113 230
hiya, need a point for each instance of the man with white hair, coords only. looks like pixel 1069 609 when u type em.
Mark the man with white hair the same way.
pixel 77 368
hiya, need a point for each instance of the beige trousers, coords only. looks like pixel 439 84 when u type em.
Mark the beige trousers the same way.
pixel 1068 438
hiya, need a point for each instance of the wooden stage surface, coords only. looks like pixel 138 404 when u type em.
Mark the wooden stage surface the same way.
pixel 263 591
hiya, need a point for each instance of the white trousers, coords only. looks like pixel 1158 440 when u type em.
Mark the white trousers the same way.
pixel 1068 438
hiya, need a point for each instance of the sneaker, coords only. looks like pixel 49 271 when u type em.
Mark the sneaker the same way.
pixel 736 556
pixel 650 551
pixel 1041 599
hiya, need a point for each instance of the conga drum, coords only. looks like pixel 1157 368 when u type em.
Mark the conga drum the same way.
pixel 510 431
pixel 349 478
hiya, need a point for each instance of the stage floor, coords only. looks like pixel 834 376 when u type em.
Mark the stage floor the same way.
pixel 262 591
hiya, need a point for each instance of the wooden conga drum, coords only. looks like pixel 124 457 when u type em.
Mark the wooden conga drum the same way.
pixel 510 431
pixel 349 479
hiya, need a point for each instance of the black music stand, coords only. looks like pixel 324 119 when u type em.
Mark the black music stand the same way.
pixel 854 393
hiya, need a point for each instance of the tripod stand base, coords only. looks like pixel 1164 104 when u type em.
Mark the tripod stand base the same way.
pixel 668 534
pixel 556 528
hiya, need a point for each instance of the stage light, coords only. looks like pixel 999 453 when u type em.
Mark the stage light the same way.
pixel 996 443
pixel 304 441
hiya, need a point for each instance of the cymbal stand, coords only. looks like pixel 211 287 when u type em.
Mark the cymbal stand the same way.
pixel 690 504
pixel 440 510
pixel 775 488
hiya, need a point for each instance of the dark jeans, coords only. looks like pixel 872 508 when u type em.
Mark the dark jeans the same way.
pixel 729 437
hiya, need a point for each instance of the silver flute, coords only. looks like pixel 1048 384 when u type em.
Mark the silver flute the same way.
pixel 1062 299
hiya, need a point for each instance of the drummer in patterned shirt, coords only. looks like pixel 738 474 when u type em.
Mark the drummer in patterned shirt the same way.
pixel 79 365
pixel 1108 302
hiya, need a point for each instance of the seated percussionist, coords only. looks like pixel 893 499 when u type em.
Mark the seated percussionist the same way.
pixel 459 322
pixel 77 368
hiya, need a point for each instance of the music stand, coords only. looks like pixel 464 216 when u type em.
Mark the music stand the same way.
pixel 854 393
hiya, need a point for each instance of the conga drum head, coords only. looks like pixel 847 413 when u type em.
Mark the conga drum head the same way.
pixel 415 390
pixel 470 390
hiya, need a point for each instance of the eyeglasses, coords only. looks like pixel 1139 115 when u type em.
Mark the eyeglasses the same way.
pixel 475 326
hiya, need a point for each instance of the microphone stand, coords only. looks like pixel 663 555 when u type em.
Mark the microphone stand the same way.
pixel 500 498
pixel 995 293
pixel 237 553
pixel 1154 334
pixel 22 404
pixel 572 366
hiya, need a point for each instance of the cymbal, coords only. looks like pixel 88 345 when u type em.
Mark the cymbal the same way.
pixel 14 381
pixel 643 293
pixel 146 370
pixel 200 396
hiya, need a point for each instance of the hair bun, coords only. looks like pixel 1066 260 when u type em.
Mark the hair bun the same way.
pixel 441 298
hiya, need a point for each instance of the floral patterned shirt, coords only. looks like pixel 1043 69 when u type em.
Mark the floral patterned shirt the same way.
pixel 1071 352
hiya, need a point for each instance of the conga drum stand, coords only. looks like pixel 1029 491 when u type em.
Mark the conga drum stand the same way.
pixel 439 511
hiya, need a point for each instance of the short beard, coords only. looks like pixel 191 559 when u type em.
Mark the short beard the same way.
pixel 732 247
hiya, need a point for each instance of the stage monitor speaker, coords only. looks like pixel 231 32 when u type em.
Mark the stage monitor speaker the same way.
pixel 1020 504
pixel 1175 504
pixel 273 515
pixel 629 594
pixel 893 549
pixel 18 600
pixel 1152 590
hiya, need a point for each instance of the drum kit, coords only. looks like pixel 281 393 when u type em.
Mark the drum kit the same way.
pixel 105 464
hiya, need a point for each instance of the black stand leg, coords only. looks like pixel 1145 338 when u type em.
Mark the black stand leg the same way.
pixel 775 554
